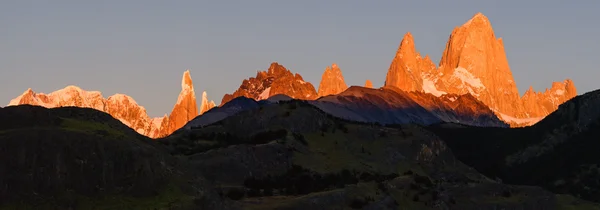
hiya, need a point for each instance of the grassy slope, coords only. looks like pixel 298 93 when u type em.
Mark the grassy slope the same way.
pixel 357 148
pixel 83 136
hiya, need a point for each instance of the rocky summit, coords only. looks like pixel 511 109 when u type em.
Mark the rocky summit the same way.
pixel 474 62
pixel 332 81
pixel 276 80
pixel 185 109
pixel 368 84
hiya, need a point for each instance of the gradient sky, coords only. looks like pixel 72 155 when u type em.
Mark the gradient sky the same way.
pixel 141 48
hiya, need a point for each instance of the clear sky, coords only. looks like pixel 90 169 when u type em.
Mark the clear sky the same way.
pixel 141 48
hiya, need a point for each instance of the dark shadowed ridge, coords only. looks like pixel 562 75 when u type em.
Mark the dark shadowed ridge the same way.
pixel 80 158
pixel 383 106
pixel 394 106
pixel 558 153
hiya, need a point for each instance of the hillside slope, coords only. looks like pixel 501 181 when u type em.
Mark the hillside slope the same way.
pixel 377 106
pixel 82 158
pixel 558 153
pixel 292 155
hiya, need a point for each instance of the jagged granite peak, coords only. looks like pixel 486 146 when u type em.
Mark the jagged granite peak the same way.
pixel 474 62
pixel 120 106
pixel 186 82
pixel 206 105
pixel 368 84
pixel 276 80
pixel 186 107
pixel 332 81
pixel 408 67
pixel 544 103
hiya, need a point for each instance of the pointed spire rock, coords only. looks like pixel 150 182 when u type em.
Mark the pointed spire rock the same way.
pixel 186 81
pixel 368 84
pixel 186 108
pixel 570 88
pixel 205 105
pixel 407 47
pixel 407 66
pixel 332 81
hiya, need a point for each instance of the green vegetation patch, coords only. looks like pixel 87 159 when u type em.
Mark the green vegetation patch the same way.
pixel 334 151
pixel 90 127
pixel 171 197
pixel 568 202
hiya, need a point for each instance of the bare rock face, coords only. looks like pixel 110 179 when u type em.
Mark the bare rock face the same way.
pixel 544 103
pixel 206 105
pixel 474 62
pixel 408 67
pixel 121 107
pixel 332 81
pixel 276 80
pixel 368 84
pixel 186 108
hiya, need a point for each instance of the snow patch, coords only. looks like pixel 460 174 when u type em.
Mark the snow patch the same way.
pixel 265 94
pixel 527 121
pixel 429 87
pixel 121 98
pixel 157 122
pixel 559 92
pixel 466 77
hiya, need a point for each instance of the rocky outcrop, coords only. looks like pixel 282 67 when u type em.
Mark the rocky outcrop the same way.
pixel 206 105
pixel 408 68
pixel 123 107
pixel 186 108
pixel 276 80
pixel 332 81
pixel 368 84
pixel 120 106
pixel 474 62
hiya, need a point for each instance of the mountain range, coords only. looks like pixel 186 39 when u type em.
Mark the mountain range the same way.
pixel 125 108
pixel 473 62
pixel 452 136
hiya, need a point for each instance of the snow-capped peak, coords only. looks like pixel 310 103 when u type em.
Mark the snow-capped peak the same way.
pixel 122 97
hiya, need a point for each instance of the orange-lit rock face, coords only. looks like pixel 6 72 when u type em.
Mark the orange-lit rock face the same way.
pixel 186 108
pixel 368 84
pixel 408 68
pixel 276 80
pixel 474 62
pixel 206 105
pixel 332 81
pixel 123 107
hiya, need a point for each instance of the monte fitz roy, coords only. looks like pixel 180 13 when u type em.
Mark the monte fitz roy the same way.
pixel 456 135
